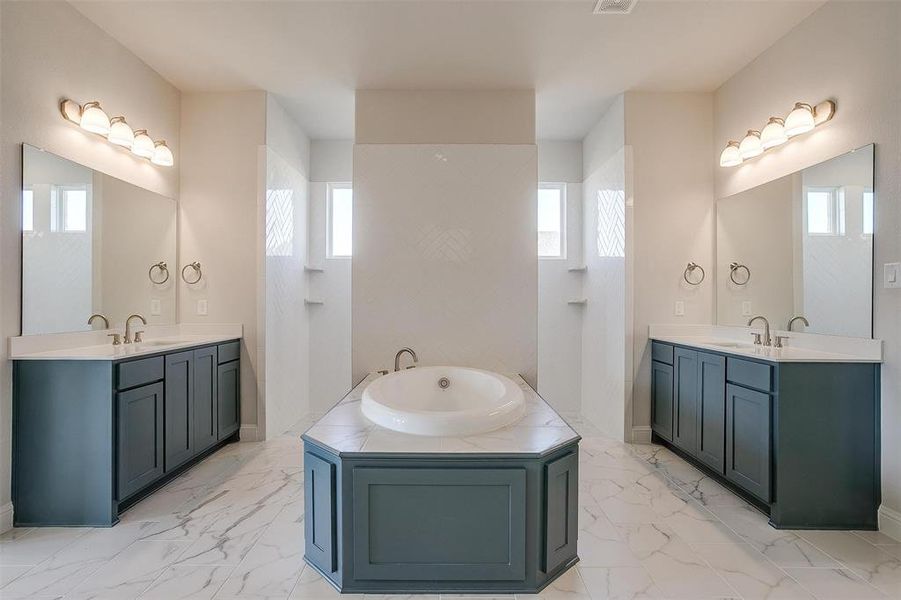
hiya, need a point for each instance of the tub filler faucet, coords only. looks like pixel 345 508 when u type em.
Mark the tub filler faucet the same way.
pixel 400 352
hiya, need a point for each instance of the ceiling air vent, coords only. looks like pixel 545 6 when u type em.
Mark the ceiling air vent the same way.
pixel 614 7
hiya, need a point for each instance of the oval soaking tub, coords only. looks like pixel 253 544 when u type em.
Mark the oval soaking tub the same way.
pixel 443 401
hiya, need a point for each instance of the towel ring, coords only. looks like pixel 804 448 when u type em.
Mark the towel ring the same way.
pixel 164 271
pixel 196 266
pixel 735 267
pixel 691 269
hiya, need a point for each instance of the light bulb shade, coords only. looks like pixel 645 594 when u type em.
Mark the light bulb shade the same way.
pixel 120 133
pixel 162 156
pixel 93 119
pixel 773 134
pixel 730 156
pixel 799 120
pixel 143 144
pixel 750 146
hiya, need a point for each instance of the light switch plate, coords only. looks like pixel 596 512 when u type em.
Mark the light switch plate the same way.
pixel 680 308
pixel 201 306
pixel 155 308
pixel 746 308
pixel 892 275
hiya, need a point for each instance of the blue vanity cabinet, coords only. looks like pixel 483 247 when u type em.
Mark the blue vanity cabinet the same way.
pixel 748 440
pixel 685 401
pixel 662 398
pixel 206 398
pixel 711 442
pixel 140 437
pixel 92 437
pixel 179 417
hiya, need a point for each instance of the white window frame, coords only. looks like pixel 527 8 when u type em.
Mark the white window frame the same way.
pixel 330 187
pixel 561 187
pixel 835 216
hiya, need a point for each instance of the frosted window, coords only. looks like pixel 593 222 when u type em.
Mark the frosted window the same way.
pixel 611 223
pixel 551 220
pixel 27 210
pixel 868 223
pixel 340 226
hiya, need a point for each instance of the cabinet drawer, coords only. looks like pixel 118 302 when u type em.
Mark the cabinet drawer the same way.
pixel 662 352
pixel 749 374
pixel 230 351
pixel 138 372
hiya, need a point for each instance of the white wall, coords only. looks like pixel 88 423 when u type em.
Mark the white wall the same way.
pixel 218 220
pixel 856 52
pixel 39 66
pixel 671 139
pixel 330 354
pixel 559 323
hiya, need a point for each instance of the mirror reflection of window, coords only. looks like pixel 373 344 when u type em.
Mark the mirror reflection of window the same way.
pixel 868 223
pixel 825 211
pixel 28 210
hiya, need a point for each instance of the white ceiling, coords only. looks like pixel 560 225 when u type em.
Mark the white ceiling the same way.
pixel 313 55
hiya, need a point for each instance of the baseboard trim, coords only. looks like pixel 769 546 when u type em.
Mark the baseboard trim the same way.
pixel 641 434
pixel 890 522
pixel 6 517
pixel 249 433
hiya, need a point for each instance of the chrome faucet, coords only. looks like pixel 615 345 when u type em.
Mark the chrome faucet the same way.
pixel 767 340
pixel 398 355
pixel 99 316
pixel 798 318
pixel 137 337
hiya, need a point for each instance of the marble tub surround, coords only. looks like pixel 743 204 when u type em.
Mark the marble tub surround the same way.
pixel 346 431
pixel 96 345
pixel 799 347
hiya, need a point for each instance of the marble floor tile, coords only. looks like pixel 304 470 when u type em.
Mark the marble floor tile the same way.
pixel 872 564
pixel 878 538
pixel 10 573
pixel 271 568
pixel 835 584
pixel 568 586
pixel 750 573
pixel 619 583
pixel 20 548
pixel 188 582
pixel 313 586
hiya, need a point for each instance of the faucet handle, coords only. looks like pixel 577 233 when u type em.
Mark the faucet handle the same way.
pixel 117 338
pixel 138 337
pixel 757 340
pixel 778 341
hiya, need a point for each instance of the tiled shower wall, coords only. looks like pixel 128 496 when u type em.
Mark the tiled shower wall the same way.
pixel 444 256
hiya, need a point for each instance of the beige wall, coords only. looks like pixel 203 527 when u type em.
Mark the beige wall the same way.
pixel 671 137
pixel 445 117
pixel 851 55
pixel 221 133
pixel 50 51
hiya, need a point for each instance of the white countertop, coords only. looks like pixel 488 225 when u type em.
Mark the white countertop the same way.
pixel 345 430
pixel 800 347
pixel 95 345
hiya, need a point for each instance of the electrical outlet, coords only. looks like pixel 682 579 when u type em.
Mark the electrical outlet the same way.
pixel 746 308
pixel 892 275
pixel 156 308
pixel 680 308
pixel 201 307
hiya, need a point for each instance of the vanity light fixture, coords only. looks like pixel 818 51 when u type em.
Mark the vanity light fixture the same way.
pixel 773 134
pixel 117 131
pixel 750 145
pixel 120 133
pixel 802 118
pixel 730 156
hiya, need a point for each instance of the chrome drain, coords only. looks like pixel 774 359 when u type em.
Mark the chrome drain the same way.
pixel 444 383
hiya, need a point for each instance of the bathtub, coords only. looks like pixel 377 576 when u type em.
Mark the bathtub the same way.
pixel 442 401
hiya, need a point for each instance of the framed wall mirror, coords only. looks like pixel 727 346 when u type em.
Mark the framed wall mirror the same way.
pixel 801 245
pixel 92 243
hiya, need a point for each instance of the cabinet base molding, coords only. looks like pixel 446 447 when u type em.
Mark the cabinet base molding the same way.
pixel 890 522
pixel 249 433
pixel 6 517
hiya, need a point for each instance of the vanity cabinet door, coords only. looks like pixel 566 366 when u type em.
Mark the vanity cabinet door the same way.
pixel 748 440
pixel 228 394
pixel 179 409
pixel 206 379
pixel 685 408
pixel 561 519
pixel 140 438
pixel 662 399
pixel 712 410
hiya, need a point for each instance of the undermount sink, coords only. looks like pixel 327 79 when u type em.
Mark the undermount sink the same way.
pixel 730 344
pixel 163 342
